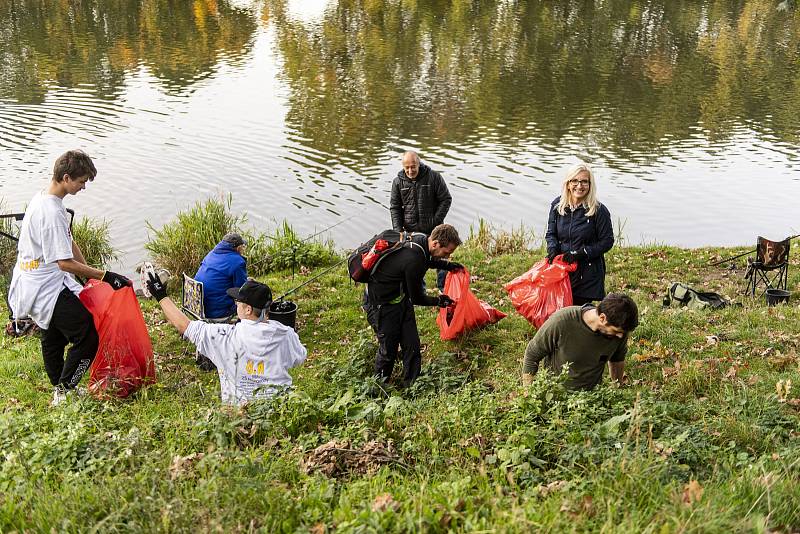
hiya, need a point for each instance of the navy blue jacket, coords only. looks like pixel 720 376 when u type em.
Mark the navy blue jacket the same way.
pixel 575 231
pixel 221 269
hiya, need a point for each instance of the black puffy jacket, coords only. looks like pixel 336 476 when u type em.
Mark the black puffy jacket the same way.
pixel 419 205
pixel 574 231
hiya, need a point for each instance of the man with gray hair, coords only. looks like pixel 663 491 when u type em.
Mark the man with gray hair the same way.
pixel 419 200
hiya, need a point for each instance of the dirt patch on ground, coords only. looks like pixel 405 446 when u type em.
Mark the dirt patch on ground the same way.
pixel 339 458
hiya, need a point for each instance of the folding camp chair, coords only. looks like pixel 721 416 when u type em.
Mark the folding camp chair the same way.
pixel 192 305
pixel 770 268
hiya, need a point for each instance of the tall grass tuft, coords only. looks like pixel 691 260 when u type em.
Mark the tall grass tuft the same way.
pixel 94 240
pixel 8 247
pixel 287 250
pixel 496 241
pixel 180 245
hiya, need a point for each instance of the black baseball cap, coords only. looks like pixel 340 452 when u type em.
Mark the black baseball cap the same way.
pixel 254 293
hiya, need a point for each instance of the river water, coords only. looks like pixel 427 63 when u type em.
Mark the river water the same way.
pixel 689 111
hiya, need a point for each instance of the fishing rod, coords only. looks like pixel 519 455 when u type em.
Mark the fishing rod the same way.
pixel 328 228
pixel 746 253
pixel 296 244
pixel 315 277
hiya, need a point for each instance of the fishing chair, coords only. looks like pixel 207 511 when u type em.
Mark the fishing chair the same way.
pixel 192 305
pixel 770 267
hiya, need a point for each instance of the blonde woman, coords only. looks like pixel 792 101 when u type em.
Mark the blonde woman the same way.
pixel 579 227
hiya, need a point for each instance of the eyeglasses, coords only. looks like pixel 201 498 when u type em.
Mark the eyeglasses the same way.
pixel 584 183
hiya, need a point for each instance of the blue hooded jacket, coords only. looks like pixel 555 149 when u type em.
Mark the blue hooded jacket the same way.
pixel 221 269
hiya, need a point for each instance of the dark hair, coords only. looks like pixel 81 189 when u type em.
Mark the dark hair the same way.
pixel 620 311
pixel 446 235
pixel 76 163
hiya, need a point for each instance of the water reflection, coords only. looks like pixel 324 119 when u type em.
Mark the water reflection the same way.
pixel 95 44
pixel 628 81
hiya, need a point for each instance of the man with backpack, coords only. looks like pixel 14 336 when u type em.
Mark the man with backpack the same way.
pixel 419 200
pixel 395 285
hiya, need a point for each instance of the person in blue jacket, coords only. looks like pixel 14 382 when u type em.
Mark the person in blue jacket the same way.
pixel 579 227
pixel 222 268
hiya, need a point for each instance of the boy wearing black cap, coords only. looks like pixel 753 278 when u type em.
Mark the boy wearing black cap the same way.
pixel 253 357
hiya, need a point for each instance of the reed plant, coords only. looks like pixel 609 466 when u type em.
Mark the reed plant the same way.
pixel 287 250
pixel 8 247
pixel 180 245
pixel 497 241
pixel 94 239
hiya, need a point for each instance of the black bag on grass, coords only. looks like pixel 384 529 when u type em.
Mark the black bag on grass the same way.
pixel 681 295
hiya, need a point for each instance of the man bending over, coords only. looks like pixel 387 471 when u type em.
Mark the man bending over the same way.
pixel 585 337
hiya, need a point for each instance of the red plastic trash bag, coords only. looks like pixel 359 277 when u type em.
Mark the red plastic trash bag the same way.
pixel 124 360
pixel 543 290
pixel 468 312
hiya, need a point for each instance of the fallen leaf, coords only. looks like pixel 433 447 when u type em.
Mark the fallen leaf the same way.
pixel 384 502
pixel 692 492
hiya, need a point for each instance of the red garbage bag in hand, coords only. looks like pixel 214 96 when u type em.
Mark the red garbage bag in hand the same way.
pixel 541 291
pixel 124 360
pixel 468 312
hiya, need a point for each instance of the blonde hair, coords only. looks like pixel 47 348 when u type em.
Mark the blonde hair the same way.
pixel 590 202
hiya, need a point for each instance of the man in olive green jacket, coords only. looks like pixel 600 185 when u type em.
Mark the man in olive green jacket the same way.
pixel 585 338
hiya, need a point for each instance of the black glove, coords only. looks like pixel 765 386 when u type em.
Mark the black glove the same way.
pixel 551 256
pixel 575 256
pixel 453 267
pixel 445 301
pixel 117 281
pixel 156 287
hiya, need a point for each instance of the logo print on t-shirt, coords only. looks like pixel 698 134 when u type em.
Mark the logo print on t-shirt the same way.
pixel 254 368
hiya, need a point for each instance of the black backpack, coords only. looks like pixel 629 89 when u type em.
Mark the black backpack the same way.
pixel 394 240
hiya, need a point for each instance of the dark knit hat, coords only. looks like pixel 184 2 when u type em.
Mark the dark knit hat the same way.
pixel 234 239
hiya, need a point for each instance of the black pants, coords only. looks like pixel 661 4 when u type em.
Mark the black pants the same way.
pixel 580 301
pixel 395 324
pixel 71 323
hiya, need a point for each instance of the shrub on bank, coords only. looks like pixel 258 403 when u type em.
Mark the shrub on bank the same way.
pixel 93 237
pixel 181 244
pixel 8 247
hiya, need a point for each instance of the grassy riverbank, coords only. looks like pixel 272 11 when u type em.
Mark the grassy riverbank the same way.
pixel 705 438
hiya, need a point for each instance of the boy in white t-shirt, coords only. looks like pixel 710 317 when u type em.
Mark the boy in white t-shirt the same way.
pixel 43 286
pixel 253 357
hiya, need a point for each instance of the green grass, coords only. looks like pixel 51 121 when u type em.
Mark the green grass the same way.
pixel 699 441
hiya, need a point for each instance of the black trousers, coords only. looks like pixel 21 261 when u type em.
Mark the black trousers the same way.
pixel 395 324
pixel 71 323
pixel 580 301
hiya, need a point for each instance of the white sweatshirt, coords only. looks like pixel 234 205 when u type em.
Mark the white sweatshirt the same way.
pixel 253 358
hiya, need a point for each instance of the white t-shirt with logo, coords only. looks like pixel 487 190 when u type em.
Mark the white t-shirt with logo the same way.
pixel 252 358
pixel 43 240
